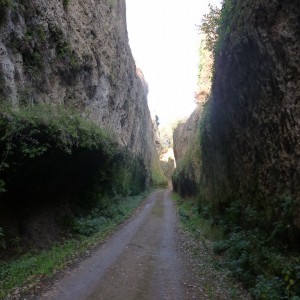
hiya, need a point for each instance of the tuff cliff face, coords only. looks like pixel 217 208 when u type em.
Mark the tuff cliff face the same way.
pixel 250 146
pixel 73 57
pixel 184 134
pixel 187 155
pixel 76 53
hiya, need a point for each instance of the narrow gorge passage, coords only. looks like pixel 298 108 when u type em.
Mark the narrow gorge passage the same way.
pixel 141 261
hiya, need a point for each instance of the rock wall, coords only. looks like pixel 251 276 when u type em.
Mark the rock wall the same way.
pixel 251 141
pixel 76 53
pixel 205 71
pixel 186 147
pixel 184 134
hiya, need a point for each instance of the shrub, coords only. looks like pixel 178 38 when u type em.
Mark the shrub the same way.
pixel 88 226
pixel 52 157
pixel 67 55
pixel 267 288
pixel 260 266
pixel 209 26
pixel 216 26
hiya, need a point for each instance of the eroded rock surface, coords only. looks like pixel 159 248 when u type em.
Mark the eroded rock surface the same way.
pixel 76 53
pixel 185 133
pixel 186 140
pixel 251 148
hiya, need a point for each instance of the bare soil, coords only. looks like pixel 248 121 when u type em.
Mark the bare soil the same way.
pixel 151 257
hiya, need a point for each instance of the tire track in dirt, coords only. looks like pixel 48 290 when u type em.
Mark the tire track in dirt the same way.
pixel 144 260
pixel 139 262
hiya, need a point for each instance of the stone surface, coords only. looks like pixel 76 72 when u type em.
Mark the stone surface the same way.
pixel 77 55
pixel 186 143
pixel 185 133
pixel 251 147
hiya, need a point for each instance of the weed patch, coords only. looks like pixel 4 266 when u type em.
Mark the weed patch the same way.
pixel 88 232
pixel 189 215
pixel 65 3
pixel 250 255
pixel 267 272
pixel 211 276
pixel 52 158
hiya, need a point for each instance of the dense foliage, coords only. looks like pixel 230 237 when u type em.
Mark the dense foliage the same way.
pixel 209 26
pixel 52 157
pixel 27 271
pixel 216 25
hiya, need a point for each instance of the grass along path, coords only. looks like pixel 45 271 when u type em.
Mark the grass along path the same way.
pixel 196 240
pixel 27 272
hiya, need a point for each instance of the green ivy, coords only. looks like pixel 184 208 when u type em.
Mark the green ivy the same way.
pixel 53 157
pixel 216 25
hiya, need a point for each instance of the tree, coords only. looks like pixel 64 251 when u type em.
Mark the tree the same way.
pixel 209 26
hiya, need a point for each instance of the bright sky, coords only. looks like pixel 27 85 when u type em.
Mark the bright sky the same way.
pixel 165 43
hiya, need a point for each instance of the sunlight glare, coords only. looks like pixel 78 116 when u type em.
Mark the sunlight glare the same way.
pixel 165 42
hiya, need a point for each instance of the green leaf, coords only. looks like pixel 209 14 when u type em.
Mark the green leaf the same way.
pixel 286 278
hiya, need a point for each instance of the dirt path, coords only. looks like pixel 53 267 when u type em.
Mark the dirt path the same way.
pixel 139 262
pixel 144 260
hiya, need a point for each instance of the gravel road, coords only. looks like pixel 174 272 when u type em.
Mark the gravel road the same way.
pixel 145 259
